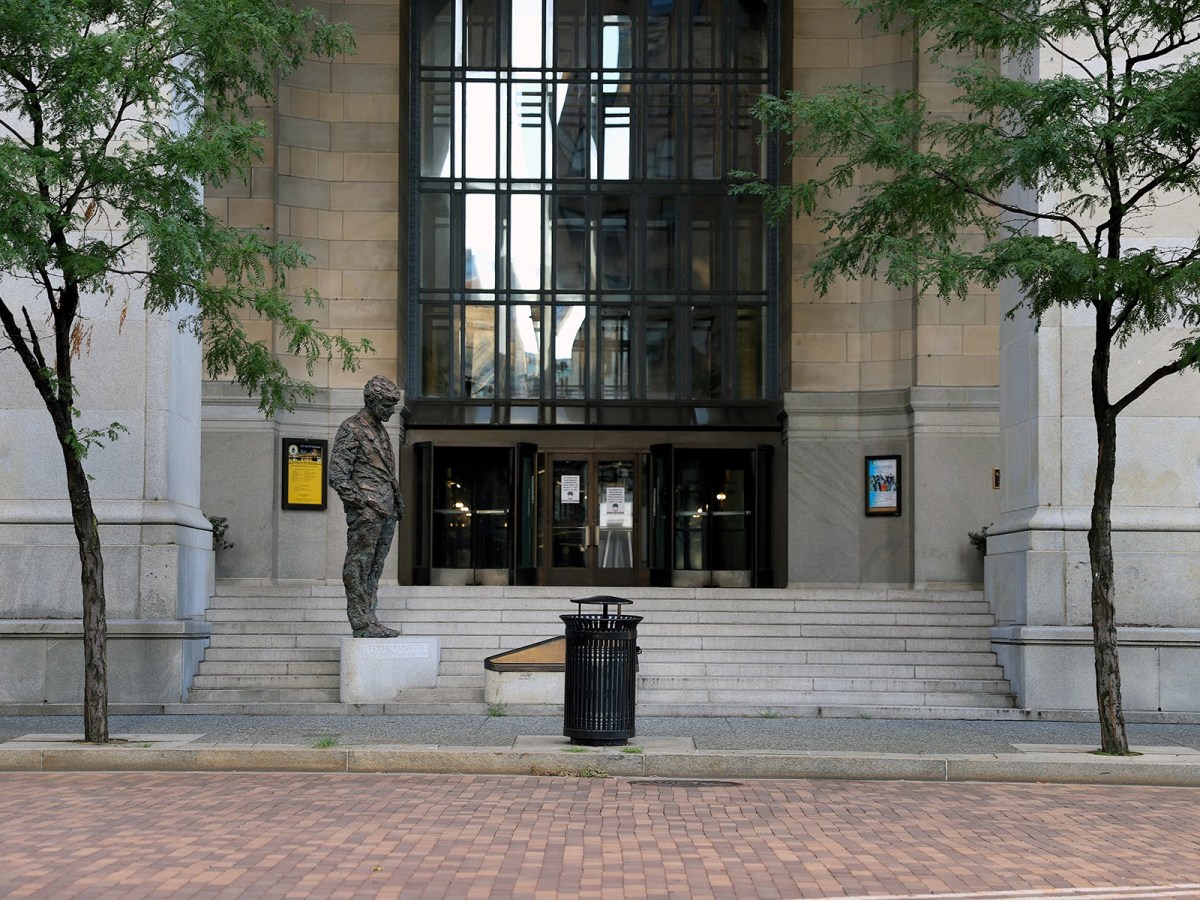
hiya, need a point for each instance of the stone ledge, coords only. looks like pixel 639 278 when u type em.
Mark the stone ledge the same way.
pixel 1081 635
pixel 1078 518
pixel 108 512
pixel 152 629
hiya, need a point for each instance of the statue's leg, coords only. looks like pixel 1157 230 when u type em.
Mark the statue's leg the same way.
pixel 362 534
pixel 383 543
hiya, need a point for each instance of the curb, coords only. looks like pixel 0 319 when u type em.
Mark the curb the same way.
pixel 1059 768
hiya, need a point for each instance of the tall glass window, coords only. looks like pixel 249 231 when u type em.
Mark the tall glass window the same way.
pixel 574 235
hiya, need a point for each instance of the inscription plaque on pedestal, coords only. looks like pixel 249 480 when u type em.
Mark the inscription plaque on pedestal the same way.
pixel 378 670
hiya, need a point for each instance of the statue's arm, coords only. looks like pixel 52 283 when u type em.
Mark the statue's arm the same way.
pixel 341 468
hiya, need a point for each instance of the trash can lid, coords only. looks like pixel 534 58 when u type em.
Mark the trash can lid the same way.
pixel 605 600
pixel 601 600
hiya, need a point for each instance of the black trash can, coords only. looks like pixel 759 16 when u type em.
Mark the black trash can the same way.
pixel 601 673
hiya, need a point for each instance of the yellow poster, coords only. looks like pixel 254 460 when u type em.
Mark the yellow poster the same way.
pixel 305 474
pixel 304 482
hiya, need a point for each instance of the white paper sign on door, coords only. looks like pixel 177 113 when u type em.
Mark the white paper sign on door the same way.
pixel 570 488
pixel 614 500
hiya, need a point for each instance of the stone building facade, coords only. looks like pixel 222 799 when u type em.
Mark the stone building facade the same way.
pixel 615 374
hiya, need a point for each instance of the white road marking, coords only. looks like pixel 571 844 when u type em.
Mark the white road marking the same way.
pixel 1128 892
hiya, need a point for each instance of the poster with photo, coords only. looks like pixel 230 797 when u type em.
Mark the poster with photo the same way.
pixel 883 485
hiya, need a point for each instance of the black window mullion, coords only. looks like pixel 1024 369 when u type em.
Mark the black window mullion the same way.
pixel 675 189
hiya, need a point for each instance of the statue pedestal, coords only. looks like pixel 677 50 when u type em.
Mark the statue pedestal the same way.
pixel 376 670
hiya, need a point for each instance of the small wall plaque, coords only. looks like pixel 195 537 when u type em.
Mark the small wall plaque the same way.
pixel 883 485
pixel 304 484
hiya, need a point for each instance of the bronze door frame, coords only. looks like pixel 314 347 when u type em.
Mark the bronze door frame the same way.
pixel 594 544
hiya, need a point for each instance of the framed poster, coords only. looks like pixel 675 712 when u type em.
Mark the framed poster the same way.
pixel 304 473
pixel 883 486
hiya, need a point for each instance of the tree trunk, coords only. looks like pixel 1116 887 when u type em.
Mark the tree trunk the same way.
pixel 1104 619
pixel 95 626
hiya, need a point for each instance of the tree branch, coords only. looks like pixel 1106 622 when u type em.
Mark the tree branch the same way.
pixel 1015 210
pixel 1160 50
pixel 1158 181
pixel 20 138
pixel 1150 380
pixel 22 349
pixel 37 347
pixel 1127 309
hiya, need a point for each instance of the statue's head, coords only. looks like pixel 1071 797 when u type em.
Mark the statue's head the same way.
pixel 381 397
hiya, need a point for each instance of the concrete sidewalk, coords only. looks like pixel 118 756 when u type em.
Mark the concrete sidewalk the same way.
pixel 706 748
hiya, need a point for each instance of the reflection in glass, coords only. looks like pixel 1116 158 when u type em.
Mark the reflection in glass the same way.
pixel 616 514
pixel 570 352
pixel 706 352
pixel 437 21
pixel 750 262
pixel 705 33
pixel 574 148
pixel 438 336
pixel 750 32
pixel 661 129
pixel 471 508
pixel 730 519
pixel 529 113
pixel 453 512
pixel 482 34
pixel 520 101
pixel 616 132
pixel 484 131
pixel 614 353
pixel 569 522
pixel 527 19
pixel 435 129
pixel 691 514
pixel 572 244
pixel 570 34
pixel 526 223
pixel 705 132
pixel 662 35
pixel 616 40
pixel 616 58
pixel 749 356
pixel 660 352
pixel 435 240
pixel 525 351
pixel 614 244
pixel 750 155
pixel 479 257
pixel 706 257
pixel 660 243
pixel 712 516
pixel 479 349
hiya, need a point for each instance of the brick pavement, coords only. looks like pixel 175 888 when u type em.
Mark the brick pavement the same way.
pixel 132 835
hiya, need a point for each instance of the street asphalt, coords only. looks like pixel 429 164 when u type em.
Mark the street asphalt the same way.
pixel 723 747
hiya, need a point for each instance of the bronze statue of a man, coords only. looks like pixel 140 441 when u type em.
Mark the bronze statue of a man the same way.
pixel 362 470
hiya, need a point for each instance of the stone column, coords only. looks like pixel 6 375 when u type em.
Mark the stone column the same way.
pixel 157 545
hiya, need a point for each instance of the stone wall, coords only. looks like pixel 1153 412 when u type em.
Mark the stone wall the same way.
pixel 873 371
pixel 332 178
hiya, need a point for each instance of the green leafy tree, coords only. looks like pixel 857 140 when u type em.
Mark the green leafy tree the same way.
pixel 1057 173
pixel 112 114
